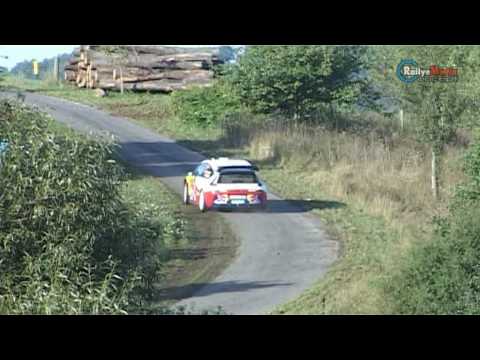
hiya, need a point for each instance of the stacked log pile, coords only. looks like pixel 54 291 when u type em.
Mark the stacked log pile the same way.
pixel 140 67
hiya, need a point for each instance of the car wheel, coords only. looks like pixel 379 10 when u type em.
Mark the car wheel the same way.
pixel 186 195
pixel 201 203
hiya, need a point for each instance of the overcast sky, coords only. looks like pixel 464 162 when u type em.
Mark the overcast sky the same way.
pixel 19 53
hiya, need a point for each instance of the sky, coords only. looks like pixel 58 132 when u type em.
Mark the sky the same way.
pixel 19 53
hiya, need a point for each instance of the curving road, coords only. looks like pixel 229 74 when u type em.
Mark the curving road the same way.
pixel 282 252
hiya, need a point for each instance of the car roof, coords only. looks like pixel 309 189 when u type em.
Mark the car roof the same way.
pixel 218 164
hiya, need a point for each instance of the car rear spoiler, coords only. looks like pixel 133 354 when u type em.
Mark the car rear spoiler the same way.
pixel 252 167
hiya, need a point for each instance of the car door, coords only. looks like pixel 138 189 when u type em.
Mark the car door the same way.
pixel 200 180
pixel 203 180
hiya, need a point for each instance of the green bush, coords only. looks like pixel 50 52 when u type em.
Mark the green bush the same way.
pixel 470 192
pixel 68 242
pixel 295 80
pixel 443 275
pixel 205 106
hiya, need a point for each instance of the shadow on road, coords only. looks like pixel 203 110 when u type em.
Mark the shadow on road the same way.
pixel 204 289
pixel 293 206
pixel 289 206
pixel 161 159
pixel 196 253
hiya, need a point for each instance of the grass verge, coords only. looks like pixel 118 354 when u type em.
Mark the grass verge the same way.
pixel 189 260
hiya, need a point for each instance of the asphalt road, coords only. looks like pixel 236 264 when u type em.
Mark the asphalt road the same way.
pixel 282 252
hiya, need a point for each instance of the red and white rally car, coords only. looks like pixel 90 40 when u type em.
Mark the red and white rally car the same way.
pixel 224 183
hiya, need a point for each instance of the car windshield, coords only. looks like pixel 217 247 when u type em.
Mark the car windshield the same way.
pixel 238 178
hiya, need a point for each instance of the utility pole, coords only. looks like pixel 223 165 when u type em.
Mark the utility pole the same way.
pixel 36 70
pixel 55 69
pixel 401 119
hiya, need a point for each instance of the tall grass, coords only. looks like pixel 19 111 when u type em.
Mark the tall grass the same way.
pixel 383 168
pixel 381 173
pixel 441 276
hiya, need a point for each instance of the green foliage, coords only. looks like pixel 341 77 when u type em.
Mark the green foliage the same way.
pixel 59 196
pixel 443 275
pixel 68 241
pixel 438 107
pixel 469 193
pixel 3 73
pixel 295 80
pixel 472 161
pixel 226 54
pixel 147 232
pixel 205 106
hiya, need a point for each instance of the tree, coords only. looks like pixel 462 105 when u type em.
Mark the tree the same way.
pixel 24 68
pixel 226 54
pixel 438 107
pixel 297 80
pixel 3 72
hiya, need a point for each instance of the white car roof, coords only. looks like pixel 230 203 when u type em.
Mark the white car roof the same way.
pixel 222 162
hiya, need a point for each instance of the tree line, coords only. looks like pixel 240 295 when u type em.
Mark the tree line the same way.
pixel 46 67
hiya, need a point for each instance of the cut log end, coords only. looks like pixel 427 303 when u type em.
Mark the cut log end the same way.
pixel 143 68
